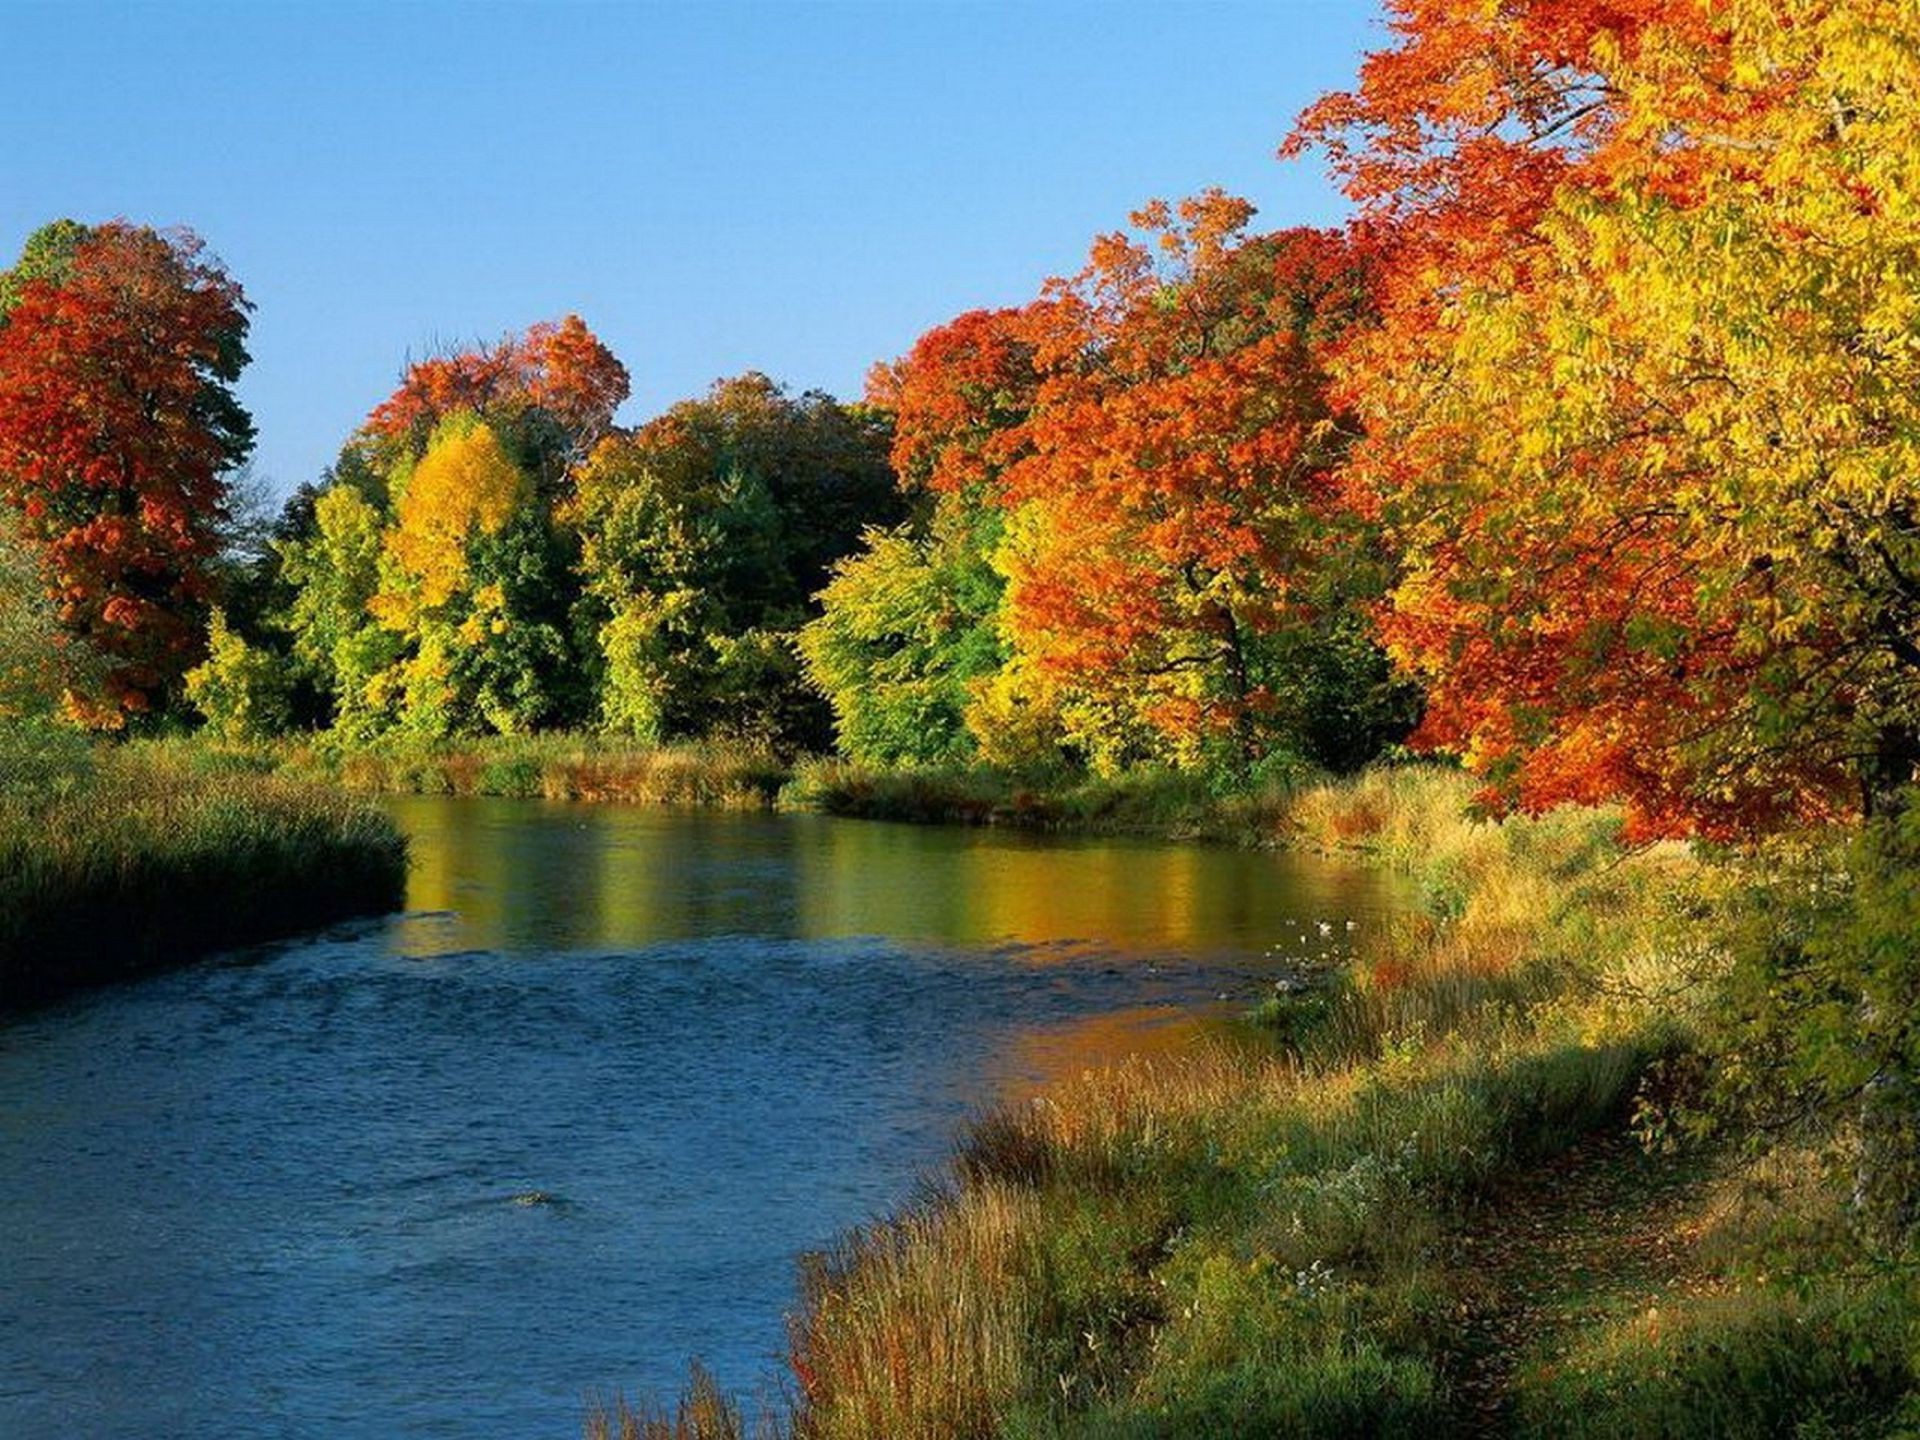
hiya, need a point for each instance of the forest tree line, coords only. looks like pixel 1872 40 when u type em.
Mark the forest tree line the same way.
pixel 1587 448
pixel 925 575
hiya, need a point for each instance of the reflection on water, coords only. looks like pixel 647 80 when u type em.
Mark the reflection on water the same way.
pixel 290 1194
pixel 525 876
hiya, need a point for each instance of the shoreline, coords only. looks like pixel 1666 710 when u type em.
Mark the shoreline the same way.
pixel 140 865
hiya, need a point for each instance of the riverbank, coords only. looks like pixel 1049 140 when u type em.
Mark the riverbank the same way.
pixel 583 767
pixel 145 856
pixel 1353 1234
pixel 1160 803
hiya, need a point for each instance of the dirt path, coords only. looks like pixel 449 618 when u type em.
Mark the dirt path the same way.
pixel 1602 1232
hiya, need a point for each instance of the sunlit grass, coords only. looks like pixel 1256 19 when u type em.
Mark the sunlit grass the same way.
pixel 553 767
pixel 1228 1243
pixel 147 854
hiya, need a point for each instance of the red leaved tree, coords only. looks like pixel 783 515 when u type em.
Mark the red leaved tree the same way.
pixel 118 429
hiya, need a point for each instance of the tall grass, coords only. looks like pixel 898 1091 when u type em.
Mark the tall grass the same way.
pixel 554 767
pixel 146 856
pixel 703 1413
pixel 1225 1245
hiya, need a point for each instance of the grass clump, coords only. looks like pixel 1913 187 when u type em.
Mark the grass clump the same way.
pixel 142 856
pixel 703 1413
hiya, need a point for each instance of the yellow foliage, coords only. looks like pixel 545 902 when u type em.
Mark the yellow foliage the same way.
pixel 464 486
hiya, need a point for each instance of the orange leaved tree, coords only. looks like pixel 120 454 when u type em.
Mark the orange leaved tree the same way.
pixel 1642 408
pixel 118 429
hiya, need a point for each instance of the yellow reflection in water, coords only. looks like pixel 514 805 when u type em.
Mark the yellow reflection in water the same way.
pixel 533 875
pixel 1033 1059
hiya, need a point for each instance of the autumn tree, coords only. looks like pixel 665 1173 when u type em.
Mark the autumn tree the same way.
pixel 1641 408
pixel 909 636
pixel 427 583
pixel 119 348
pixel 556 379
pixel 1174 535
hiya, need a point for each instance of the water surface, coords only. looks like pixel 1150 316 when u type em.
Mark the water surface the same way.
pixel 571 1118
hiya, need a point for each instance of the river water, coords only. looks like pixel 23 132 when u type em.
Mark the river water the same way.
pixel 571 1118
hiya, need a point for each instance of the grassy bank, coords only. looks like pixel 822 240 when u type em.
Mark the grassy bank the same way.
pixel 603 768
pixel 1155 802
pixel 1354 1234
pixel 143 856
pixel 553 767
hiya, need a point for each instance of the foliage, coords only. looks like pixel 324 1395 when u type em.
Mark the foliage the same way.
pixel 1177 480
pixel 118 426
pixel 907 647
pixel 1675 562
pixel 333 573
pixel 906 626
pixel 1817 1028
pixel 558 368
pixel 47 257
pixel 240 688
pixel 39 667
pixel 702 536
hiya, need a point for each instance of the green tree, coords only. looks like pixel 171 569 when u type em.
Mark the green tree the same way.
pixel 333 574
pixel 40 667
pixel 908 625
pixel 241 689
pixel 703 536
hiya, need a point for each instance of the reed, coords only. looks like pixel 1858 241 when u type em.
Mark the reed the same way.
pixel 143 860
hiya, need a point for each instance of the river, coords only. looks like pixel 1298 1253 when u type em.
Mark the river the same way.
pixel 572 1117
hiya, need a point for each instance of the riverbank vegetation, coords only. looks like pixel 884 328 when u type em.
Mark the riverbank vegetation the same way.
pixel 115 860
pixel 1583 457
pixel 1321 1242
pixel 128 862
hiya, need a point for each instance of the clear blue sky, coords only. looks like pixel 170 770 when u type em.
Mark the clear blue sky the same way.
pixel 800 188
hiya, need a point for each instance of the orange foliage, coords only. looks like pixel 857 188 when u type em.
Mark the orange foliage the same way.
pixel 1178 458
pixel 1578 432
pixel 562 367
pixel 116 433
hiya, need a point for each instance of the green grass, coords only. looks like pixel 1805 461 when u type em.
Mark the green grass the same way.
pixel 151 855
pixel 1149 802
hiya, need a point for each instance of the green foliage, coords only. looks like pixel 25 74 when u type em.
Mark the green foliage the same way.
pixel 334 572
pixel 1820 1027
pixel 702 538
pixel 241 689
pixel 47 255
pixel 906 626
pixel 1337 698
pixel 39 666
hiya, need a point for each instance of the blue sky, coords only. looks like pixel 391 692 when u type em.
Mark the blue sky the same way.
pixel 800 188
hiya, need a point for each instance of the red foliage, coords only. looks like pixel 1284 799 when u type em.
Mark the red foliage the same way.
pixel 561 367
pixel 116 431
pixel 958 399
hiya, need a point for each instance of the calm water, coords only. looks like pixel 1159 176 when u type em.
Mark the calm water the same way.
pixel 570 1119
